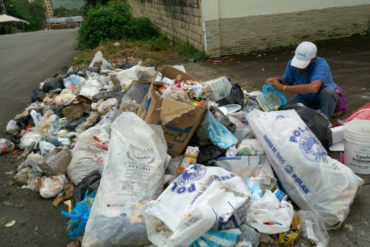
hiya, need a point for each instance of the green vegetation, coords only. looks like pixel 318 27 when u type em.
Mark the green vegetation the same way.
pixel 189 52
pixel 33 12
pixel 68 4
pixel 63 12
pixel 113 21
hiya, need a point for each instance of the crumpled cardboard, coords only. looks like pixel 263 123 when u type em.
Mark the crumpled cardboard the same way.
pixel 179 120
pixel 77 107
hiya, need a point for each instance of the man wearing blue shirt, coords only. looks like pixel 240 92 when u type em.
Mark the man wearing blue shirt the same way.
pixel 309 77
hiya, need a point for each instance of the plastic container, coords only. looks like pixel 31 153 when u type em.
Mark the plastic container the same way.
pixel 357 146
pixel 271 99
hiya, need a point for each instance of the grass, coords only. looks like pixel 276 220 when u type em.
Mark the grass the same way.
pixel 151 52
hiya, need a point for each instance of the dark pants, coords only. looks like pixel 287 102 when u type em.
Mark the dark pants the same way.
pixel 325 101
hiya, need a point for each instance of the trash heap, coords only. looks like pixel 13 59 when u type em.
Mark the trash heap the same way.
pixel 145 156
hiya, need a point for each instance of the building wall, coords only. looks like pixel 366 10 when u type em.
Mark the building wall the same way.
pixel 224 27
pixel 178 19
pixel 49 8
pixel 226 36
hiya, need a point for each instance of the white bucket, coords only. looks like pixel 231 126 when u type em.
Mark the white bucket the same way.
pixel 357 146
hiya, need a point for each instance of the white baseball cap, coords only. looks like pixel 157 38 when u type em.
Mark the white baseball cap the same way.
pixel 303 54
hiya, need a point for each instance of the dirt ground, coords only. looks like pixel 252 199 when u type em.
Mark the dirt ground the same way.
pixel 40 224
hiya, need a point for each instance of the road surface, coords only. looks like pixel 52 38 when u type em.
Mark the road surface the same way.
pixel 26 59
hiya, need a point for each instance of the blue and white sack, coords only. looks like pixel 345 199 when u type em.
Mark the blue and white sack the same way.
pixel 312 179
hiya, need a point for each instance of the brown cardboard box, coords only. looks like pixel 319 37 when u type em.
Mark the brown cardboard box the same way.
pixel 179 120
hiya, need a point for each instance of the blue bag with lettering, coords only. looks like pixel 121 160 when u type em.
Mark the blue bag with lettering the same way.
pixel 219 134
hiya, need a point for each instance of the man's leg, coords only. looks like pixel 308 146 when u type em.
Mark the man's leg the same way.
pixel 326 100
pixel 297 100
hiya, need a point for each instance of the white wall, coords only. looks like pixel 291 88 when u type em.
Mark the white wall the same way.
pixel 215 9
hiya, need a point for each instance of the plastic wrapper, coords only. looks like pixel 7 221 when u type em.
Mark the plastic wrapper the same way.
pixel 217 89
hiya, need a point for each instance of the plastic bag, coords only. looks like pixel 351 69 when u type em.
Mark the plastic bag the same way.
pixel 12 127
pixel 213 238
pixel 89 153
pixel 53 84
pixel 176 94
pixel 100 62
pixel 79 216
pixel 58 161
pixel 137 72
pixel 218 88
pixel 6 146
pixel 91 87
pixel 74 82
pixel 134 174
pixel 30 140
pixel 312 179
pixel 317 123
pixel 133 97
pixel 236 96
pixel 219 134
pixel 313 228
pixel 45 147
pixel 362 113
pixel 248 238
pixel 192 204
pixel 65 97
pixel 269 215
pixel 51 186
pixel 249 147
pixel 257 168
pixel 89 183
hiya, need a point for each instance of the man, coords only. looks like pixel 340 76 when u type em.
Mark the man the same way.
pixel 309 77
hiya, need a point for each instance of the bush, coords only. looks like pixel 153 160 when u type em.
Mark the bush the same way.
pixel 113 22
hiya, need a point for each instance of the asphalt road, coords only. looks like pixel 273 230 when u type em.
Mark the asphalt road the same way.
pixel 26 59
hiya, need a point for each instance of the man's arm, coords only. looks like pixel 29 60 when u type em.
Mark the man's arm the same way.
pixel 311 88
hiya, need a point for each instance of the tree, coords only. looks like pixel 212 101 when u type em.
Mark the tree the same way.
pixel 63 12
pixel 33 12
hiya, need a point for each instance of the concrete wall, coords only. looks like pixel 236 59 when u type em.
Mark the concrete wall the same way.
pixel 234 35
pixel 178 19
pixel 224 27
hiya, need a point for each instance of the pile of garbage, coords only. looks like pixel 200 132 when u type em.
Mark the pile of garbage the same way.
pixel 145 156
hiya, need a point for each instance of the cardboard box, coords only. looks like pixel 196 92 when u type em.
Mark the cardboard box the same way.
pixel 179 120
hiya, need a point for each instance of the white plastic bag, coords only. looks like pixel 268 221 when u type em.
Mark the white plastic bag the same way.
pixel 269 215
pixel 192 204
pixel 257 168
pixel 30 140
pixel 312 179
pixel 137 72
pixel 313 228
pixel 74 82
pixel 98 58
pixel 134 174
pixel 12 127
pixel 89 153
pixel 51 186
pixel 91 87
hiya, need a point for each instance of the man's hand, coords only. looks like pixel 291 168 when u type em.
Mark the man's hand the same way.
pixel 274 82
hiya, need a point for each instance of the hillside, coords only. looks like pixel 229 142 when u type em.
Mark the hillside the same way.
pixel 68 4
